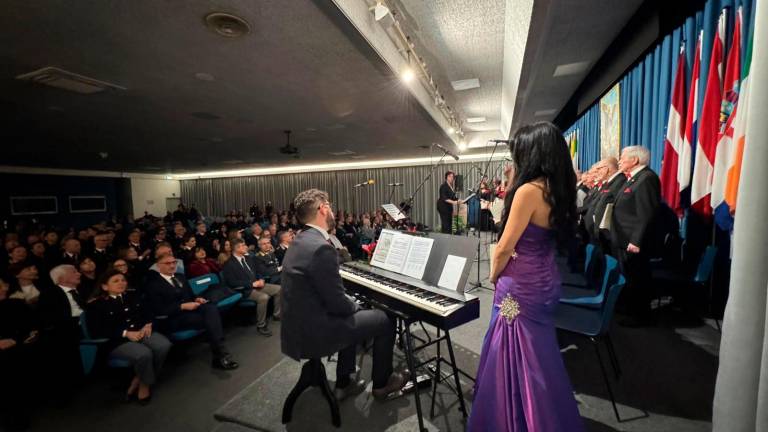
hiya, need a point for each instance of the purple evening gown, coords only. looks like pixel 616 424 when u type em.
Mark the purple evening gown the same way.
pixel 522 384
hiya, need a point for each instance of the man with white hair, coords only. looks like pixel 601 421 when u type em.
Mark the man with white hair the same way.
pixel 59 308
pixel 634 209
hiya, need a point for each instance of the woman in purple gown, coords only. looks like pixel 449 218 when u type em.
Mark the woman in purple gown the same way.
pixel 522 384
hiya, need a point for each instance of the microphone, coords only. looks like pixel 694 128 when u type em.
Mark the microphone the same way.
pixel 446 151
pixel 395 184
pixel 365 183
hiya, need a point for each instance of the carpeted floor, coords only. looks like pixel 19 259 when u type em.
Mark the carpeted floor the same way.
pixel 668 371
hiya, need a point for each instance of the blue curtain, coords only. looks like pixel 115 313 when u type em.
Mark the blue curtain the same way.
pixel 645 91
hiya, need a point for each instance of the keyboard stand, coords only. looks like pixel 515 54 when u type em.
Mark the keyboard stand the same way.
pixel 434 370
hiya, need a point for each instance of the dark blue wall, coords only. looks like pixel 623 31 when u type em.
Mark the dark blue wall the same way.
pixel 113 189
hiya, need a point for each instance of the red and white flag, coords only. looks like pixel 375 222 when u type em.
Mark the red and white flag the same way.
pixel 709 128
pixel 691 122
pixel 675 140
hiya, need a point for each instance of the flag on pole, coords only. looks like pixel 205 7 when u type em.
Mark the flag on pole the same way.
pixel 691 122
pixel 739 132
pixel 709 128
pixel 675 140
pixel 725 145
pixel 575 149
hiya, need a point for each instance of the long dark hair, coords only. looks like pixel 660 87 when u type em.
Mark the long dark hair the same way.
pixel 539 151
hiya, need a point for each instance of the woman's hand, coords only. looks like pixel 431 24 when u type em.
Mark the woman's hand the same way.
pixel 134 336
pixel 147 329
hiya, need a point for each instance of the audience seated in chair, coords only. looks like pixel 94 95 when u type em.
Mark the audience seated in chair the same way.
pixel 201 264
pixel 120 317
pixel 266 263
pixel 240 271
pixel 172 301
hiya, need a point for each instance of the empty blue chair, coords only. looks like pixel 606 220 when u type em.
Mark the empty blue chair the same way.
pixel 595 324
pixel 594 266
pixel 202 283
pixel 587 297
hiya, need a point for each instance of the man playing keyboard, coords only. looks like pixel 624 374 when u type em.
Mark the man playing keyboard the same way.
pixel 318 317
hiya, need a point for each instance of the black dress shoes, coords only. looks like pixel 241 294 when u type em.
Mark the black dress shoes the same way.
pixel 225 363
pixel 354 388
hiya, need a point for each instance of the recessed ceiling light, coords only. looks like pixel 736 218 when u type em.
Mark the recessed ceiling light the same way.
pixel 451 130
pixel 465 84
pixel 475 119
pixel 169 177
pixel 202 76
pixel 571 69
pixel 462 146
pixel 342 153
pixel 545 112
pixel 227 25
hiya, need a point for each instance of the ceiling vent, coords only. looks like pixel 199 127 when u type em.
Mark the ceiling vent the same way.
pixel 466 84
pixel 65 80
pixel 227 25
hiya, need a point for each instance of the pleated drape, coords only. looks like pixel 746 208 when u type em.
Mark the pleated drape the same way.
pixel 646 87
pixel 216 197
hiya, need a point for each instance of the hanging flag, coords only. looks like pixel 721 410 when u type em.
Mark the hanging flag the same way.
pixel 575 149
pixel 709 128
pixel 675 140
pixel 739 132
pixel 725 144
pixel 691 122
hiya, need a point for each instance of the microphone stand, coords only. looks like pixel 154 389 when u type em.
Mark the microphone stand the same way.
pixel 477 284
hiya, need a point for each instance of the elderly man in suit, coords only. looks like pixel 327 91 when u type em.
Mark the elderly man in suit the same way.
pixel 610 184
pixel 634 209
pixel 318 318
pixel 240 270
pixel 170 297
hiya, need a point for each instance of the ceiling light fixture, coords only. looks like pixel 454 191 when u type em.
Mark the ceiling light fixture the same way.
pixel 451 130
pixel 407 75
pixel 475 119
pixel 462 146
pixel 418 68
pixel 380 11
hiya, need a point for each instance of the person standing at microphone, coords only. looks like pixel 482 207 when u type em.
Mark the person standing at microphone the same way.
pixel 445 203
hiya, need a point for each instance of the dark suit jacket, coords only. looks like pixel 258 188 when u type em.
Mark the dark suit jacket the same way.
pixel 635 208
pixel 445 193
pixel 165 299
pixel 316 313
pixel 108 318
pixel 53 309
pixel 606 194
pixel 236 276
pixel 266 266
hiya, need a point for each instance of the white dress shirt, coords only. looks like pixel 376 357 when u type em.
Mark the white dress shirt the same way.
pixel 74 307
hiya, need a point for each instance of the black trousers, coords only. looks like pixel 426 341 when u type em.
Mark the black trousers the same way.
pixel 370 324
pixel 638 291
pixel 445 219
pixel 205 317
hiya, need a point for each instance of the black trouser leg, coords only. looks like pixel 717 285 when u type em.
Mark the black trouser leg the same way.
pixel 636 269
pixel 205 317
pixel 445 221
pixel 370 324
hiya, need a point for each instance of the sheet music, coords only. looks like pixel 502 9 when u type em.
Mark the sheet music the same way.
pixel 451 275
pixel 382 248
pixel 398 253
pixel 393 211
pixel 418 256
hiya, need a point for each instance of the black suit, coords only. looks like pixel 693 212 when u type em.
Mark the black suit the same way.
pixel 605 195
pixel 236 276
pixel 102 259
pixel 280 253
pixel 635 208
pixel 18 367
pixel 319 319
pixel 165 302
pixel 445 209
pixel 60 340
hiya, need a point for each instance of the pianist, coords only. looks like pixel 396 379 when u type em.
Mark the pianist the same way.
pixel 318 317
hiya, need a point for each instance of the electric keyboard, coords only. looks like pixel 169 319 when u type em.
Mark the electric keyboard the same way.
pixel 411 297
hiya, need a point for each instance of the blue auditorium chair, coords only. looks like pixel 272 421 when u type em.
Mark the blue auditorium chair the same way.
pixel 587 297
